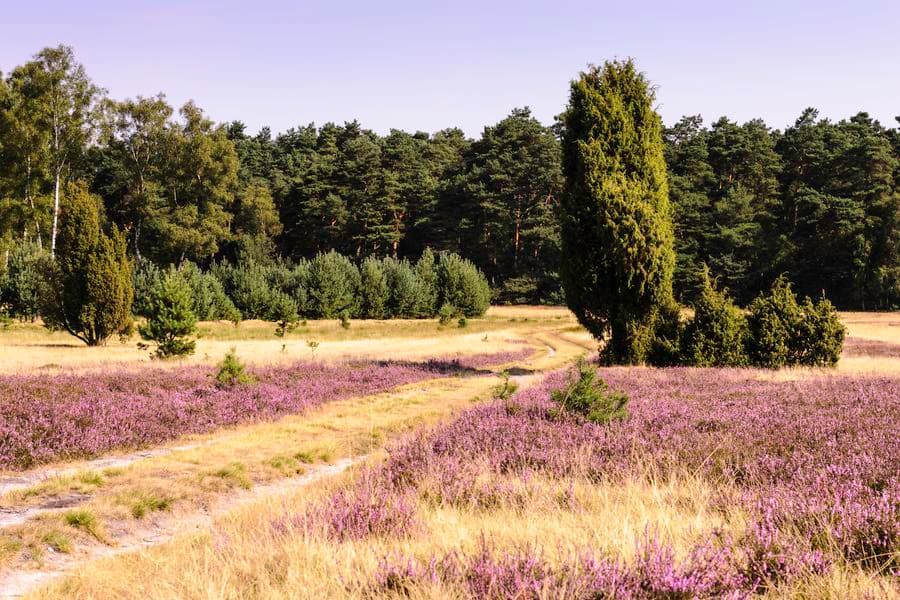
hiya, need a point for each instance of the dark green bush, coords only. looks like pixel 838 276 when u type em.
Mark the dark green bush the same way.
pixel 209 300
pixel 820 335
pixel 462 285
pixel 373 290
pixel 668 331
pixel 716 336
pixel 333 286
pixel 407 292
pixel 784 332
pixel 590 397
pixel 171 320
pixel 284 313
pixel 22 283
pixel 445 315
pixel 428 285
pixel 248 287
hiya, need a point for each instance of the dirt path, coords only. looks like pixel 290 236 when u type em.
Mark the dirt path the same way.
pixel 17 583
pixel 163 526
pixel 27 479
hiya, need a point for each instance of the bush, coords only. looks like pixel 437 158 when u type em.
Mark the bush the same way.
pixel 506 388
pixel 591 397
pixel 89 289
pixel 145 276
pixel 426 273
pixel 782 332
pixel 373 290
pixel 668 331
pixel 22 285
pixel 407 292
pixel 284 313
pixel 247 286
pixel 345 319
pixel 717 334
pixel 232 371
pixel 209 300
pixel 171 319
pixel 820 335
pixel 445 315
pixel 462 285
pixel 333 286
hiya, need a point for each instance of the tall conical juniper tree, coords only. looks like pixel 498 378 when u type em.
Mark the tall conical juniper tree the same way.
pixel 615 218
pixel 89 289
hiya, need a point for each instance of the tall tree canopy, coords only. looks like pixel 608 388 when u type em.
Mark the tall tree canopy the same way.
pixel 616 221
pixel 817 201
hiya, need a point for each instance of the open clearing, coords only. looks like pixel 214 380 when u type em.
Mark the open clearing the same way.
pixel 250 511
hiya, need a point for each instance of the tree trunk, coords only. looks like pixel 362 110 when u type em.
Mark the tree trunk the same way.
pixel 55 214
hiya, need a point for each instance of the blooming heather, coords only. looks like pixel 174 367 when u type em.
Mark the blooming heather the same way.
pixel 815 462
pixel 43 418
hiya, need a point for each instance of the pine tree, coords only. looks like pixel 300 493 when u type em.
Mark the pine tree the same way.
pixel 171 320
pixel 616 224
pixel 89 291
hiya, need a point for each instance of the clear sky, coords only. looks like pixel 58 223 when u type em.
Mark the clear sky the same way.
pixel 426 65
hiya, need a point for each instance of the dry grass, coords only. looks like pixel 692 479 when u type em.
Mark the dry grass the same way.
pixel 245 557
pixel 216 466
pixel 26 347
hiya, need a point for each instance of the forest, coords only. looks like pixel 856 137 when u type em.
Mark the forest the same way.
pixel 818 201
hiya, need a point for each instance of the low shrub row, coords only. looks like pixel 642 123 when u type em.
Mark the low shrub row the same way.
pixel 326 287
pixel 777 330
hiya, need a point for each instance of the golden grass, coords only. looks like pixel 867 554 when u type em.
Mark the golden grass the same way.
pixel 28 347
pixel 220 464
pixel 246 557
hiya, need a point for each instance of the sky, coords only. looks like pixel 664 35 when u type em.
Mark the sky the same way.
pixel 426 65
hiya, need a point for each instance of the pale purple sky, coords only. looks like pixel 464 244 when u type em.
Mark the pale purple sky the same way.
pixel 426 65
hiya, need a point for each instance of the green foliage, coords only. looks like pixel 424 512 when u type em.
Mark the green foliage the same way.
pixel 616 225
pixel 284 313
pixel 210 302
pixel 506 388
pixel 668 334
pixel 232 371
pixel 144 503
pixel 409 295
pixel 89 290
pixel 345 319
pixel 445 314
pixel 170 319
pixel 248 287
pixel 22 284
pixel 333 286
pixel 716 336
pixel 373 290
pixel 428 285
pixel 590 397
pixel 784 332
pixel 462 323
pixel 462 285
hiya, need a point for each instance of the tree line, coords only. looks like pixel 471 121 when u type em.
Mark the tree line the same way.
pixel 817 201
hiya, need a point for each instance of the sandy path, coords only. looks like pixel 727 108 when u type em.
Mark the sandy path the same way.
pixel 17 583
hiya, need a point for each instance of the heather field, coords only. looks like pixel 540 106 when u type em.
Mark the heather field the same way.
pixel 719 483
pixel 60 416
